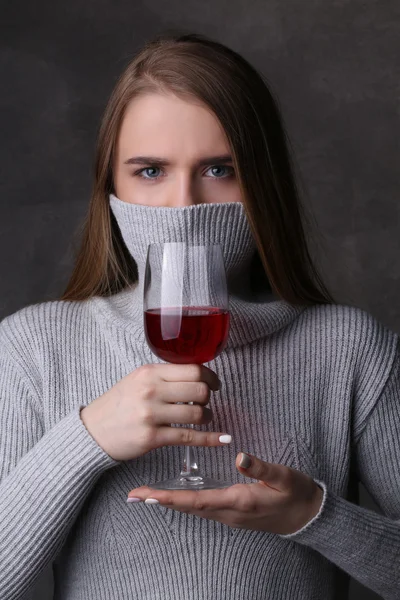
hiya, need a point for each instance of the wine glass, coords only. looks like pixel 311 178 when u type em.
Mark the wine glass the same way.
pixel 186 321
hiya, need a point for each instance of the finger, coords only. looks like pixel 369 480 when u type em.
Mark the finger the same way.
pixel 197 392
pixel 193 373
pixel 203 500
pixel 275 476
pixel 183 436
pixel 183 414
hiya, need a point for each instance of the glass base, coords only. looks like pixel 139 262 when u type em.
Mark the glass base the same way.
pixel 187 482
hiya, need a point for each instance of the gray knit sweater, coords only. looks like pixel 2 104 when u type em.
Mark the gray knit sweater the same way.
pixel 316 388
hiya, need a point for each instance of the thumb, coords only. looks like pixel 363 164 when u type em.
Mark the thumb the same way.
pixel 269 474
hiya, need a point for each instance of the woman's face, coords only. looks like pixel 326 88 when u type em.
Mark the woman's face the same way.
pixel 173 153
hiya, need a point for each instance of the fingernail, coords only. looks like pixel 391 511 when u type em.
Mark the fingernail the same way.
pixel 151 501
pixel 225 439
pixel 133 500
pixel 245 461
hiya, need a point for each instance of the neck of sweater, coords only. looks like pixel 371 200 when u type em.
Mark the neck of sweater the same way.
pixel 225 224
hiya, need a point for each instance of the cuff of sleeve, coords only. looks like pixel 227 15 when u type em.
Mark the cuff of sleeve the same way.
pixel 67 454
pixel 307 531
pixel 64 463
pixel 100 460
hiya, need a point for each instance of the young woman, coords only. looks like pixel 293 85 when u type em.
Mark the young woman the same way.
pixel 191 147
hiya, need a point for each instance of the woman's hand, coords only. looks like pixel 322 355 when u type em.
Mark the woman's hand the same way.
pixel 282 502
pixel 135 415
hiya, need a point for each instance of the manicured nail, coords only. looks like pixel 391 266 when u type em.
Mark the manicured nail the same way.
pixel 225 439
pixel 245 461
pixel 133 500
pixel 151 501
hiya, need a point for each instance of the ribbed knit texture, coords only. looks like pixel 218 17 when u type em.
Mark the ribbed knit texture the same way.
pixel 317 389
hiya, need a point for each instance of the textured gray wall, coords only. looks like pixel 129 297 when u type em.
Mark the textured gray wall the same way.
pixel 334 66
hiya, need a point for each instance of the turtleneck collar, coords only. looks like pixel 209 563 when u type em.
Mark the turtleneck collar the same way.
pixel 225 224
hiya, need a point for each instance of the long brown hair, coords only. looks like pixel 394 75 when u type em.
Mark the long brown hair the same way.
pixel 192 65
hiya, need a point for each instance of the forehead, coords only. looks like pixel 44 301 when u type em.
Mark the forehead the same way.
pixel 166 122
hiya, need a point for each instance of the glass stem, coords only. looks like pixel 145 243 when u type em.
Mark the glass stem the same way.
pixel 190 468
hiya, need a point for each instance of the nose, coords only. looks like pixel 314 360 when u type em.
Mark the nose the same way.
pixel 183 192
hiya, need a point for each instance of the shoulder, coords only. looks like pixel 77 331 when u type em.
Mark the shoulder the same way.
pixel 363 350
pixel 357 342
pixel 30 323
pixel 27 334
pixel 351 327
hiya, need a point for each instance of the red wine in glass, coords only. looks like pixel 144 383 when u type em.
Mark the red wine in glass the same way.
pixel 203 332
pixel 186 321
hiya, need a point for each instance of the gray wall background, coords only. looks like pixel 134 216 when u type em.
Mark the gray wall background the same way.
pixel 334 66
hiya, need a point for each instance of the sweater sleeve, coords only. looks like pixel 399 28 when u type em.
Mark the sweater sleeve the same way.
pixel 360 541
pixel 44 480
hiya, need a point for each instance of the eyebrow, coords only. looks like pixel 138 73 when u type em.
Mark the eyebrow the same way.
pixel 161 162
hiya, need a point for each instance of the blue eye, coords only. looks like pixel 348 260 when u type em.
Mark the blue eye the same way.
pixel 150 175
pixel 216 171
